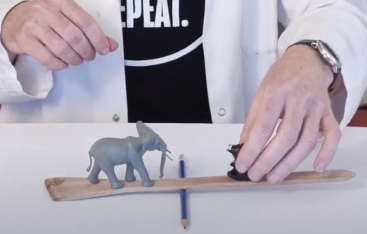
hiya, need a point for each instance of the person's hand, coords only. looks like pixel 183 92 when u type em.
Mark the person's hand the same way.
pixel 56 33
pixel 295 89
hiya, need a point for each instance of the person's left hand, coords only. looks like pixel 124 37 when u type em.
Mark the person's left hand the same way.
pixel 296 90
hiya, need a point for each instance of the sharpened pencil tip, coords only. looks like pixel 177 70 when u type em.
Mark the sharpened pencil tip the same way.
pixel 184 223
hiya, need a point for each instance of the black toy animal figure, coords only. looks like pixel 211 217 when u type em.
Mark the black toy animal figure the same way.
pixel 234 174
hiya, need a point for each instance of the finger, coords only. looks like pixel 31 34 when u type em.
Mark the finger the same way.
pixel 285 139
pixel 73 36
pixel 59 47
pixel 113 44
pixel 87 25
pixel 255 105
pixel 260 132
pixel 332 135
pixel 42 55
pixel 306 144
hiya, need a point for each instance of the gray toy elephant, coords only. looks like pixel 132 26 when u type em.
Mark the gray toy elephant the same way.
pixel 109 152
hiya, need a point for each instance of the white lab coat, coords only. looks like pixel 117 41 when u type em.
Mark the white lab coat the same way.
pixel 240 40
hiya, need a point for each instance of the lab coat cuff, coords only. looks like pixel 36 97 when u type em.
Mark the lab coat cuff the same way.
pixel 24 81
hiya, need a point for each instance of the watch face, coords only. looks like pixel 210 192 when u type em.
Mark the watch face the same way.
pixel 329 58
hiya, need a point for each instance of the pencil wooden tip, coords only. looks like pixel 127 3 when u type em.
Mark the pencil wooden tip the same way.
pixel 184 223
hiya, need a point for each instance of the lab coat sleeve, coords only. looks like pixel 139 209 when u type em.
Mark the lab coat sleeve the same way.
pixel 343 26
pixel 25 80
pixel 364 99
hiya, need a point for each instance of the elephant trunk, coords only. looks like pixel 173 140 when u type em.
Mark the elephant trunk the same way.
pixel 163 161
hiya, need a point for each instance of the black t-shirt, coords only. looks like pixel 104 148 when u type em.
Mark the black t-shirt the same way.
pixel 165 64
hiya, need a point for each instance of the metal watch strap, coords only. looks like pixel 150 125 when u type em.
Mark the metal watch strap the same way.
pixel 309 43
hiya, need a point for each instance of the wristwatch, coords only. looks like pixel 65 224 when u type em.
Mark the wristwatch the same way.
pixel 327 54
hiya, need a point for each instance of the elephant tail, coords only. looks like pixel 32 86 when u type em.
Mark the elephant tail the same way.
pixel 90 162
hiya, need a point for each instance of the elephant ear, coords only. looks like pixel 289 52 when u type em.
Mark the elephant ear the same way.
pixel 143 129
pixel 159 141
pixel 149 141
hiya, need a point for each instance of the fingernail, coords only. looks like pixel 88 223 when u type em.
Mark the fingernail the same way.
pixel 320 167
pixel 255 175
pixel 105 51
pixel 274 178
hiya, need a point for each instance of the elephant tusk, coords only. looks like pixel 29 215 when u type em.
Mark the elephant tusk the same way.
pixel 169 157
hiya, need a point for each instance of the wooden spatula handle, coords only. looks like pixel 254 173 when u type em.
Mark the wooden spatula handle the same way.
pixel 68 188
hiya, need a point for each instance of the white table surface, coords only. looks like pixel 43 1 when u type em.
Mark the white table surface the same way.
pixel 31 153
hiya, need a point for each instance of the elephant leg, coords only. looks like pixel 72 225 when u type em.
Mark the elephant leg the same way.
pixel 110 173
pixel 140 167
pixel 129 176
pixel 93 175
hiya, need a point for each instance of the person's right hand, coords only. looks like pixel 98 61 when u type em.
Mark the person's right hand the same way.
pixel 56 33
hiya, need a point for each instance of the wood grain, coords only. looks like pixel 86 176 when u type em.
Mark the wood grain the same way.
pixel 69 188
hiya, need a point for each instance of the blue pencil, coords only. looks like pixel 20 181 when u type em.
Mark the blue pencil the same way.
pixel 183 194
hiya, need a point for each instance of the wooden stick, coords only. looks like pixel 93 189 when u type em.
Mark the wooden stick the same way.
pixel 69 188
